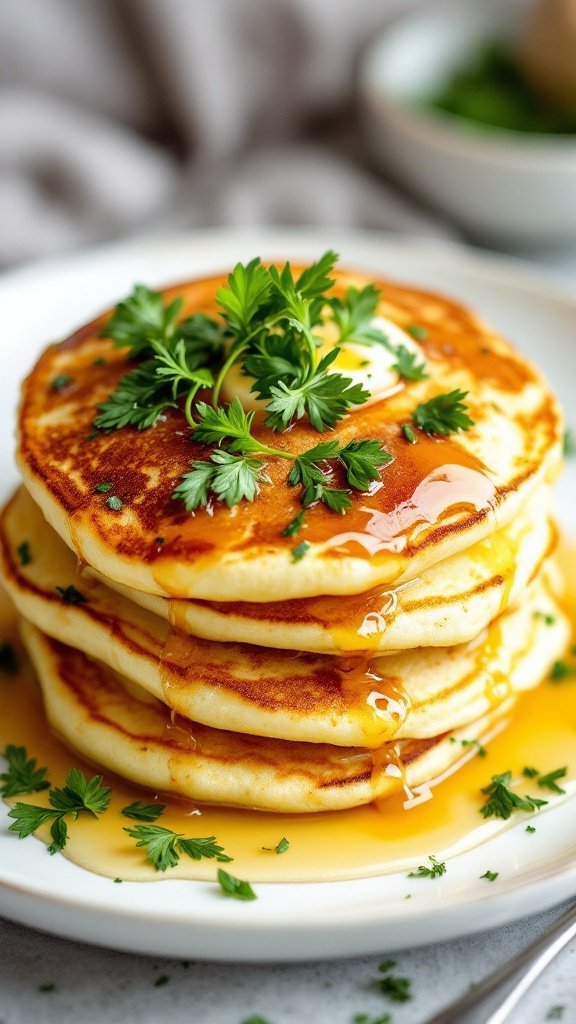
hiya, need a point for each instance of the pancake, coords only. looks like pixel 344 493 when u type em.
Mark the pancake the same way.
pixel 118 728
pixel 448 604
pixel 362 700
pixel 438 497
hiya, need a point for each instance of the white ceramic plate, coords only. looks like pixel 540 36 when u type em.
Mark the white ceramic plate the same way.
pixel 288 922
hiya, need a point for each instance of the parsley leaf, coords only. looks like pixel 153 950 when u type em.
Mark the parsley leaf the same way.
pixel 163 846
pixel 490 876
pixel 245 293
pixel 231 478
pixel 354 313
pixel 138 401
pixel 502 801
pixel 143 812
pixel 324 397
pixel 77 796
pixel 550 781
pixel 362 460
pixel 22 775
pixel 141 319
pixel 445 414
pixel 408 365
pixel 235 887
pixel 437 869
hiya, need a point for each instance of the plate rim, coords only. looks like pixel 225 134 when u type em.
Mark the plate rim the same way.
pixel 359 924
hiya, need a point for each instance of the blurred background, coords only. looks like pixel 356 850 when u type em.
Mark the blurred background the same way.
pixel 452 118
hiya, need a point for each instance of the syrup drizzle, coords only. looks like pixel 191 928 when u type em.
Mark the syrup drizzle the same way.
pixel 539 729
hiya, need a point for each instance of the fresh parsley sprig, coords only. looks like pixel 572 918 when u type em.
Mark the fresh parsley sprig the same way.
pixel 436 870
pixel 164 847
pixel 177 359
pixel 502 801
pixel 444 414
pixel 78 795
pixel 22 775
pixel 236 473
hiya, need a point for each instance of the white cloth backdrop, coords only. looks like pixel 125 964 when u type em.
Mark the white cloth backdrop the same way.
pixel 127 115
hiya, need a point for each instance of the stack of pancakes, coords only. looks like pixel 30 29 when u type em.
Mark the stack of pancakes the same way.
pixel 194 653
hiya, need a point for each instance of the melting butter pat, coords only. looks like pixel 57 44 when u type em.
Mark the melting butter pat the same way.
pixel 370 365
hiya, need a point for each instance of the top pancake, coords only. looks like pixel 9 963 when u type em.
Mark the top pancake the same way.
pixel 438 497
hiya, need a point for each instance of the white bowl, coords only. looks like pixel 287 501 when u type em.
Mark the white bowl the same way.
pixel 506 187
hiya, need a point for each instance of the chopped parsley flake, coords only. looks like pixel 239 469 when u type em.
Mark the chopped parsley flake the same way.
pixel 23 552
pixel 161 981
pixel 365 1018
pixel 437 869
pixel 61 381
pixel 491 876
pixel 70 595
pixel 280 847
pixel 300 550
pixel 550 781
pixel 546 617
pixel 295 525
pixel 235 887
pixel 417 331
pixel 103 488
pixel 394 987
pixel 562 670
pixel 529 828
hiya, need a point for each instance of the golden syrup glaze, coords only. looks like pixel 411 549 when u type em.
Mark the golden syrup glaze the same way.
pixel 433 490
pixel 358 623
pixel 396 833
pixel 360 699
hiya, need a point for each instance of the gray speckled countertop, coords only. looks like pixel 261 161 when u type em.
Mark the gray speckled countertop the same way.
pixel 96 986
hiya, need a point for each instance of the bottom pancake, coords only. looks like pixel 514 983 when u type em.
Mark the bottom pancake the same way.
pixel 117 726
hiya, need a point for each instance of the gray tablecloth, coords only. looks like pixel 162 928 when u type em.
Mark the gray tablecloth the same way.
pixel 123 115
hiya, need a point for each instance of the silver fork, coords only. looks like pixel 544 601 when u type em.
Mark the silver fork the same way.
pixel 501 991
